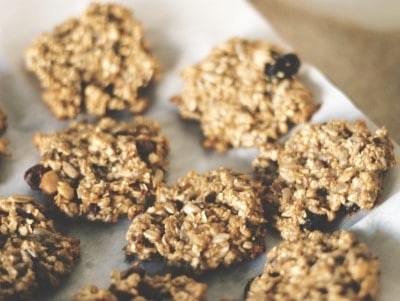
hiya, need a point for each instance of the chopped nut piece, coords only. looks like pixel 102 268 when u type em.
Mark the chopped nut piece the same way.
pixel 324 171
pixel 203 222
pixel 101 171
pixel 98 61
pixel 235 102
pixel 32 254
pixel 134 284
pixel 318 267
pixel 48 183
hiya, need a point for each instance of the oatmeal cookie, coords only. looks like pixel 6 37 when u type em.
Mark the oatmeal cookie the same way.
pixel 101 170
pixel 201 223
pixel 134 284
pixel 324 171
pixel 319 267
pixel 4 151
pixel 98 61
pixel 244 94
pixel 32 254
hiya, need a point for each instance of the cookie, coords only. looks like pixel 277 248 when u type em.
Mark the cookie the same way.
pixel 319 267
pixel 134 284
pixel 323 172
pixel 244 94
pixel 32 254
pixel 202 223
pixel 98 61
pixel 103 170
pixel 4 151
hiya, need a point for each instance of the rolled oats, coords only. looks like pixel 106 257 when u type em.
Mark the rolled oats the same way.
pixel 101 171
pixel 319 267
pixel 237 101
pixel 98 61
pixel 323 171
pixel 32 254
pixel 202 223
pixel 134 284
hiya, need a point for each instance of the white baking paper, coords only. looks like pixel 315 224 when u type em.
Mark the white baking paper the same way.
pixel 181 32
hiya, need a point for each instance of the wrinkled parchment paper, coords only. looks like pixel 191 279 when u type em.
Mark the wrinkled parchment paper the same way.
pixel 181 32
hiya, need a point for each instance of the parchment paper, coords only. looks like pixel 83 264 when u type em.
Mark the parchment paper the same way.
pixel 181 32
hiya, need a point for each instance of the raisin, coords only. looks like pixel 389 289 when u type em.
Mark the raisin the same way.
pixel 314 221
pixel 339 260
pixel 34 175
pixel 211 197
pixel 284 67
pixel 352 208
pixel 94 209
pixel 322 192
pixel 145 148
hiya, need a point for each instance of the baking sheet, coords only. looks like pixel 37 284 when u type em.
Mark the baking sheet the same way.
pixel 181 32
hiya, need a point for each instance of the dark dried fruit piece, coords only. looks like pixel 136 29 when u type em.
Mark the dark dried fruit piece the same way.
pixel 314 221
pixel 34 175
pixel 284 67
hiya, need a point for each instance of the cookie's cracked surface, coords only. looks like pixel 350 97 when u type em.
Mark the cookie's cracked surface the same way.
pixel 98 61
pixel 32 254
pixel 202 223
pixel 324 171
pixel 318 267
pixel 101 171
pixel 238 100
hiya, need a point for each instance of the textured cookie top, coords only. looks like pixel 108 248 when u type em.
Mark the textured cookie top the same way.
pixel 103 170
pixel 32 254
pixel 244 94
pixel 322 171
pixel 21 215
pixel 134 284
pixel 3 141
pixel 320 267
pixel 98 61
pixel 202 222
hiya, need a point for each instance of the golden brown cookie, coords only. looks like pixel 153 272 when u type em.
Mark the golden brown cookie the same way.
pixel 319 267
pixel 98 61
pixel 103 170
pixel 322 172
pixel 202 223
pixel 134 284
pixel 244 94
pixel 32 254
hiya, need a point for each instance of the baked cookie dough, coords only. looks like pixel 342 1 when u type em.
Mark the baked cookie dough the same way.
pixel 202 223
pixel 244 94
pixel 32 254
pixel 101 171
pixel 319 267
pixel 134 284
pixel 324 171
pixel 4 151
pixel 98 61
